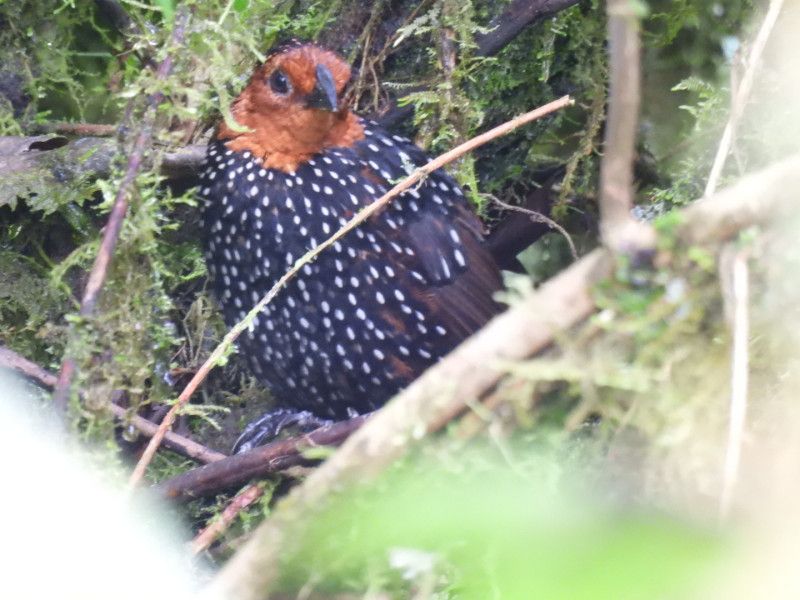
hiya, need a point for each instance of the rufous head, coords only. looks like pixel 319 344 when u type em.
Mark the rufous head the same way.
pixel 292 107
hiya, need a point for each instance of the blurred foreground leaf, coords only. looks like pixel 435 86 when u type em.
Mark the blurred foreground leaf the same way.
pixel 495 533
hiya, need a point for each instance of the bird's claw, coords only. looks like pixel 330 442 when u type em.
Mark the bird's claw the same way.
pixel 270 425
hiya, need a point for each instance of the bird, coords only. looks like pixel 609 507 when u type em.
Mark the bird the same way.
pixel 379 306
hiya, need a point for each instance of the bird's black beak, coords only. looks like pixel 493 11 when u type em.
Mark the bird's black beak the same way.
pixel 324 94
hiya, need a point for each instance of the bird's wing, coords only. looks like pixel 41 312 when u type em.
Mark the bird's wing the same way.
pixel 444 236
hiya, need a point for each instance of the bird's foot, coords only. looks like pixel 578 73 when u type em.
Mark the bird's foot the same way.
pixel 270 425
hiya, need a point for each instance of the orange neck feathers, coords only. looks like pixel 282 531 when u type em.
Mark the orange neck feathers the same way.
pixel 285 129
pixel 288 140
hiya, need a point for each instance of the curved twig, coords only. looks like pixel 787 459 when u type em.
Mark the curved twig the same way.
pixel 538 217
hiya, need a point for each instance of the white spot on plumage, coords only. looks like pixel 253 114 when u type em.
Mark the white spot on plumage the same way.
pixel 459 257
pixel 445 268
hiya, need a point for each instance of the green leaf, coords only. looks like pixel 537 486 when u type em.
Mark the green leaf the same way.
pixel 167 9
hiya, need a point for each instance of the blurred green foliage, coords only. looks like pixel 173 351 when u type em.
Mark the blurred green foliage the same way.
pixel 494 528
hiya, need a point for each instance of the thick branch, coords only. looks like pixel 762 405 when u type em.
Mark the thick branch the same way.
pixel 519 15
pixel 760 198
pixel 57 160
pixel 620 231
pixel 469 372
pixel 21 365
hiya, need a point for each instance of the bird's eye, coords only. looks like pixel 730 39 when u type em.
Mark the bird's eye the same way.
pixel 279 83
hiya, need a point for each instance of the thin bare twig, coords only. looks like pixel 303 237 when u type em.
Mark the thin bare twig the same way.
pixel 739 379
pixel 175 442
pixel 242 500
pixel 182 445
pixel 540 218
pixel 620 231
pixel 742 95
pixel 468 373
pixel 97 275
pixel 359 218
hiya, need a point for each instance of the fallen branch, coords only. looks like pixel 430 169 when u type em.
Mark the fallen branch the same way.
pixel 97 275
pixel 236 470
pixel 758 199
pixel 359 218
pixel 469 372
pixel 44 378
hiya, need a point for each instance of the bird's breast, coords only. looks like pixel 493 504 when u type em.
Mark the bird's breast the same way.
pixel 365 317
